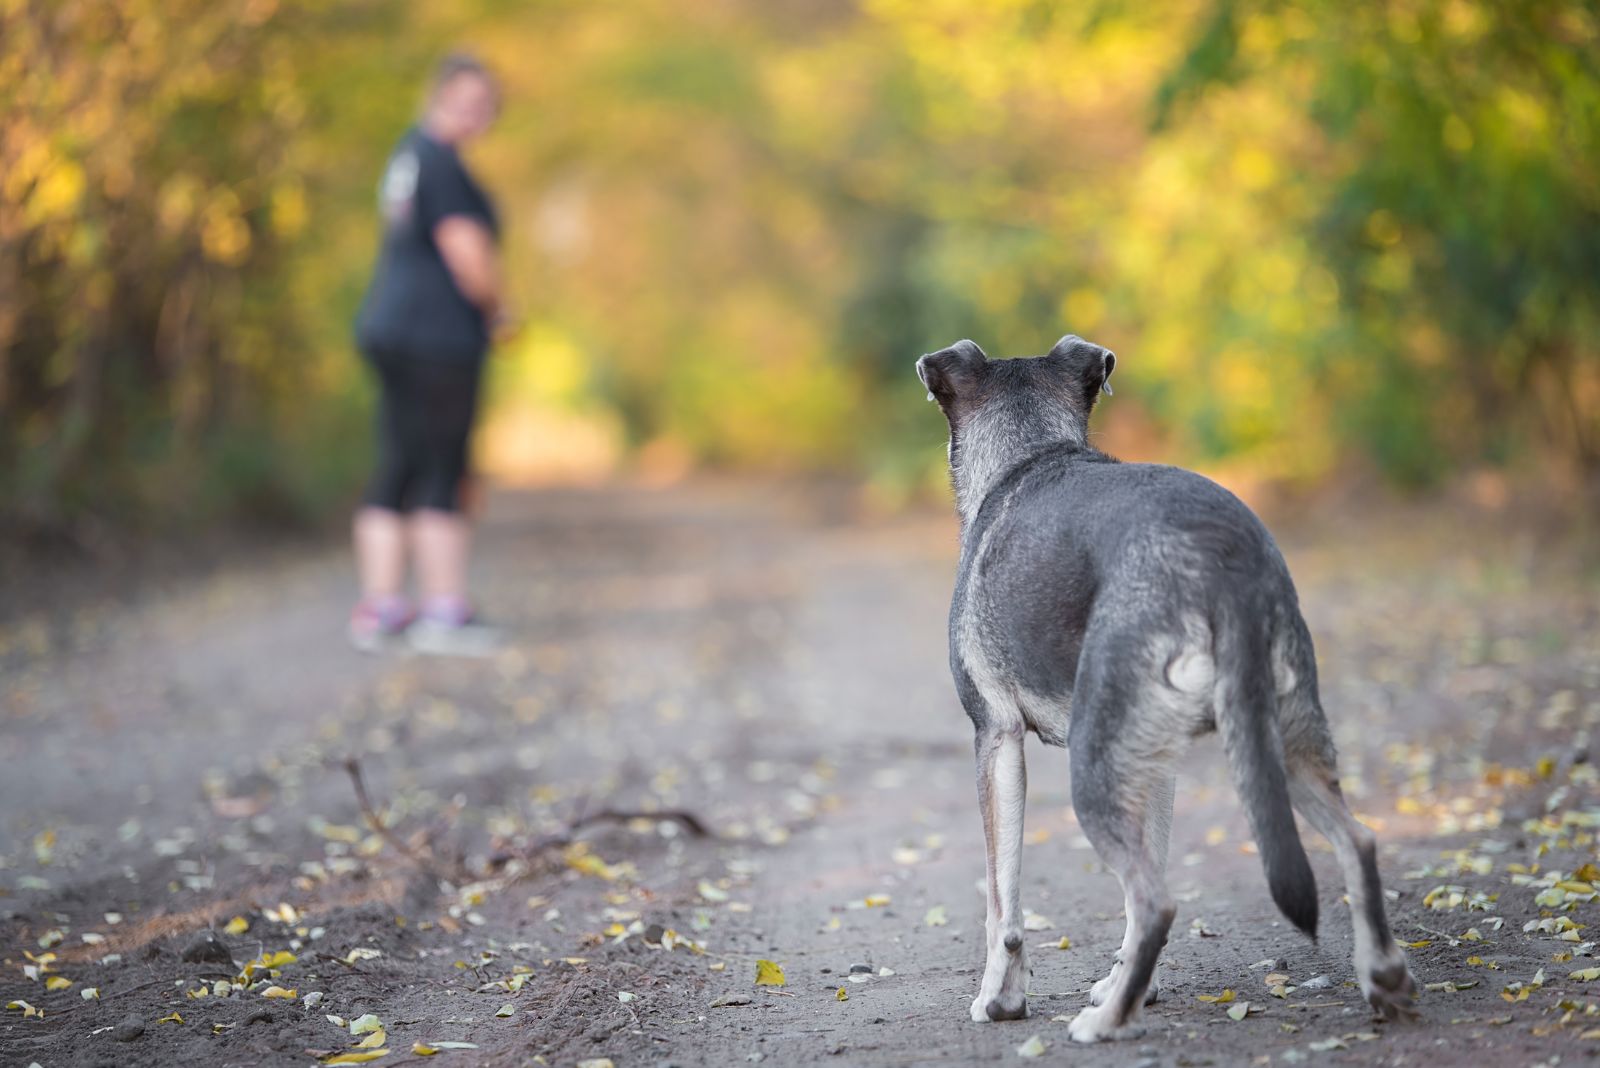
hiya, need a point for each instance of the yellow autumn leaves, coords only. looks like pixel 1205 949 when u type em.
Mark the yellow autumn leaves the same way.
pixel 359 1056
pixel 265 963
pixel 1213 248
pixel 372 1042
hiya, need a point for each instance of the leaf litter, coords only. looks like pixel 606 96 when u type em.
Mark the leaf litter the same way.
pixel 1562 905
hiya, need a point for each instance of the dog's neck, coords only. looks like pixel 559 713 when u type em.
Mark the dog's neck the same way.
pixel 988 448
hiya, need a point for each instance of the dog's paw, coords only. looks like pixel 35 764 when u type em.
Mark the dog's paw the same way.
pixel 1102 990
pixel 1003 994
pixel 1391 990
pixel 987 1009
pixel 1097 1025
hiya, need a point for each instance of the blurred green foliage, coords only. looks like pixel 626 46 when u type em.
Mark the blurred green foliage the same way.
pixel 1319 235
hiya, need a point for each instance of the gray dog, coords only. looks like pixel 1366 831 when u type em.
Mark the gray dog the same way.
pixel 1121 610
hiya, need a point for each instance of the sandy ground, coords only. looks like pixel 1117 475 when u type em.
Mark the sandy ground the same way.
pixel 171 763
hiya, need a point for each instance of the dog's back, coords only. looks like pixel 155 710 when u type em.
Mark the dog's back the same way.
pixel 1070 537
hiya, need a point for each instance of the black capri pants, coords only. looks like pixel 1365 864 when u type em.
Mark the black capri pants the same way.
pixel 425 414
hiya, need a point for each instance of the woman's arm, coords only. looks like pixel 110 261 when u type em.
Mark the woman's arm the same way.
pixel 467 248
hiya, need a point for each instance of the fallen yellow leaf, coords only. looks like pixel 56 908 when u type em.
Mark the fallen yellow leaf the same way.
pixel 356 1056
pixel 1219 999
pixel 422 1050
pixel 279 992
pixel 57 982
pixel 267 962
pixel 173 1018
pixel 841 995
pixel 578 858
pixel 373 1041
pixel 236 926
pixel 769 974
pixel 284 913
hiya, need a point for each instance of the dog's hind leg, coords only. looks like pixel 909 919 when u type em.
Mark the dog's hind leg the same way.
pixel 1158 832
pixel 1124 741
pixel 1381 968
pixel 1119 838
pixel 1002 793
pixel 1313 766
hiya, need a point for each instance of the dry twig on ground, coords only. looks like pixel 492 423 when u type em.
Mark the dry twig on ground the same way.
pixel 535 852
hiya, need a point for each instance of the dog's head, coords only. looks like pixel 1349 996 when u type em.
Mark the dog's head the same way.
pixel 1001 410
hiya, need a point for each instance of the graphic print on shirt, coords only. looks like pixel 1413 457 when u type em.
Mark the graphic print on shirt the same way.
pixel 397 192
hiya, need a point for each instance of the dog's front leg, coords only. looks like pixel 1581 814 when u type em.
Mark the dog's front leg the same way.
pixel 1002 792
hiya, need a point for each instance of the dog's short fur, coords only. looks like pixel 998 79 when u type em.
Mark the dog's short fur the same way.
pixel 1121 610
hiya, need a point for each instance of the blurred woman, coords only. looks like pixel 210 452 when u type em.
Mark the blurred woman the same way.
pixel 425 328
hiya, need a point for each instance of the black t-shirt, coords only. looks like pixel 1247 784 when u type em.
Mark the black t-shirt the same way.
pixel 413 305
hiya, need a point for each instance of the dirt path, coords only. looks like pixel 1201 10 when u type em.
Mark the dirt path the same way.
pixel 763 660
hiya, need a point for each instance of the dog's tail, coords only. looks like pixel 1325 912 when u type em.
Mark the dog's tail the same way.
pixel 1247 718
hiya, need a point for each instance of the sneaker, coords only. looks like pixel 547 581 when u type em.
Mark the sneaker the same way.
pixel 448 627
pixel 376 623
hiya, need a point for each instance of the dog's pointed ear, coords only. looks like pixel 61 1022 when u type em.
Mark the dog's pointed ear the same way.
pixel 952 372
pixel 1088 364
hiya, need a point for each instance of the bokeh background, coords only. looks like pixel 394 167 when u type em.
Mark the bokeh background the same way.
pixel 1349 257
pixel 1328 240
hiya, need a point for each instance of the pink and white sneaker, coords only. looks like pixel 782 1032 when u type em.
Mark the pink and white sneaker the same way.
pixel 376 623
pixel 447 626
